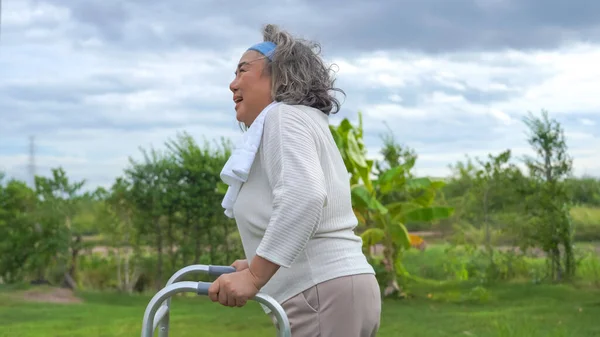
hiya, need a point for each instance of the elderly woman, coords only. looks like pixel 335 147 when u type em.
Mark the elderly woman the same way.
pixel 289 193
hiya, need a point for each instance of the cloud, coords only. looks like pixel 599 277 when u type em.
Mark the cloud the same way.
pixel 446 106
pixel 94 81
pixel 358 26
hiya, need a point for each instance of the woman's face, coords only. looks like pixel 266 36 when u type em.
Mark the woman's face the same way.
pixel 251 87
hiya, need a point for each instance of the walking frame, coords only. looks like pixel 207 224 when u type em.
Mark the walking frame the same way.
pixel 157 310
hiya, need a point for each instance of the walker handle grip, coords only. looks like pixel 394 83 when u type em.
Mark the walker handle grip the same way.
pixel 203 288
pixel 220 270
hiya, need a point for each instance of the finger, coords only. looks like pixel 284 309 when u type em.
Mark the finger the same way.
pixel 240 302
pixel 231 300
pixel 213 291
pixel 223 296
pixel 238 265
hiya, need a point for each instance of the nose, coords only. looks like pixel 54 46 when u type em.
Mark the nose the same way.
pixel 233 86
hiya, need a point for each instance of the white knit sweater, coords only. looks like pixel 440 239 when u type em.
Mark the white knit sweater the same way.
pixel 295 208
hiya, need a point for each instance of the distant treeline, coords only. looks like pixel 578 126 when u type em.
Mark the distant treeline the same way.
pixel 164 212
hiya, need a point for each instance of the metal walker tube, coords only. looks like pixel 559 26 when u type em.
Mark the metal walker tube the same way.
pixel 162 316
pixel 157 311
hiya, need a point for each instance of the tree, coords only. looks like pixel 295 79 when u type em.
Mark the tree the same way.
pixel 547 200
pixel 494 183
pixel 18 232
pixel 115 219
pixel 148 185
pixel 60 203
pixel 177 206
pixel 199 178
pixel 394 154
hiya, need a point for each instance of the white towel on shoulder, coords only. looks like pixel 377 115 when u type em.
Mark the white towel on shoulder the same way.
pixel 237 168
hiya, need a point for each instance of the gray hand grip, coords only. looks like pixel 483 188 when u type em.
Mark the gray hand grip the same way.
pixel 203 288
pixel 220 270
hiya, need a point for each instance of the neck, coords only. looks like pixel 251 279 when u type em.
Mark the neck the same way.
pixel 255 117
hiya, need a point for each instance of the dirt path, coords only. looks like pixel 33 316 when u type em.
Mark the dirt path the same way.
pixel 49 295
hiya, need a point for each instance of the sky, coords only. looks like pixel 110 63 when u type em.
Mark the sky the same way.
pixel 94 81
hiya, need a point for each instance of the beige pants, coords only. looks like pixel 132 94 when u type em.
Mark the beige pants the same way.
pixel 348 306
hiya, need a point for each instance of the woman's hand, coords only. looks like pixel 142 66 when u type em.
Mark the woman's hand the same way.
pixel 234 289
pixel 240 265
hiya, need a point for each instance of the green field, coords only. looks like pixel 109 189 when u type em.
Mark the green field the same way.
pixel 587 223
pixel 523 310
pixel 442 304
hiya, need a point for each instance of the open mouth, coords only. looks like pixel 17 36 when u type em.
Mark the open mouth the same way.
pixel 237 101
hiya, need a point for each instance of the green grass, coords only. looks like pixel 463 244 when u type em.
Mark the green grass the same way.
pixel 587 223
pixel 443 306
pixel 519 310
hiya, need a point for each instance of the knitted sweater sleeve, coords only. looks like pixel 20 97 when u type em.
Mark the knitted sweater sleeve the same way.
pixel 291 159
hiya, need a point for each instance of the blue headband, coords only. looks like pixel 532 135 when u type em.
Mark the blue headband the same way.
pixel 266 48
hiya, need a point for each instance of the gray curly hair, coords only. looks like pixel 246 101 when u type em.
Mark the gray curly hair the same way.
pixel 299 76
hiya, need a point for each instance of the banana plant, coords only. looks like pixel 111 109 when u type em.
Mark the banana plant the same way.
pixel 385 201
pixel 385 223
pixel 349 140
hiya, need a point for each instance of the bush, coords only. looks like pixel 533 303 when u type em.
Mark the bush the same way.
pixel 450 262
pixel 588 270
pixel 97 272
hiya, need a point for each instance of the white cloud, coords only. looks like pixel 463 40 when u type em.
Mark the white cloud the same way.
pixel 564 82
pixel 91 104
pixel 587 122
pixel 23 14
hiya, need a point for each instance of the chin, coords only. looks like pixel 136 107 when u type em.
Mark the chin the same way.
pixel 240 116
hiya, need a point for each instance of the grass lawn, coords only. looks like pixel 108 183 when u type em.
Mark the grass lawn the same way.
pixel 522 310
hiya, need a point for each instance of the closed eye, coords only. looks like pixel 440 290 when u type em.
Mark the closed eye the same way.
pixel 240 67
pixel 239 71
